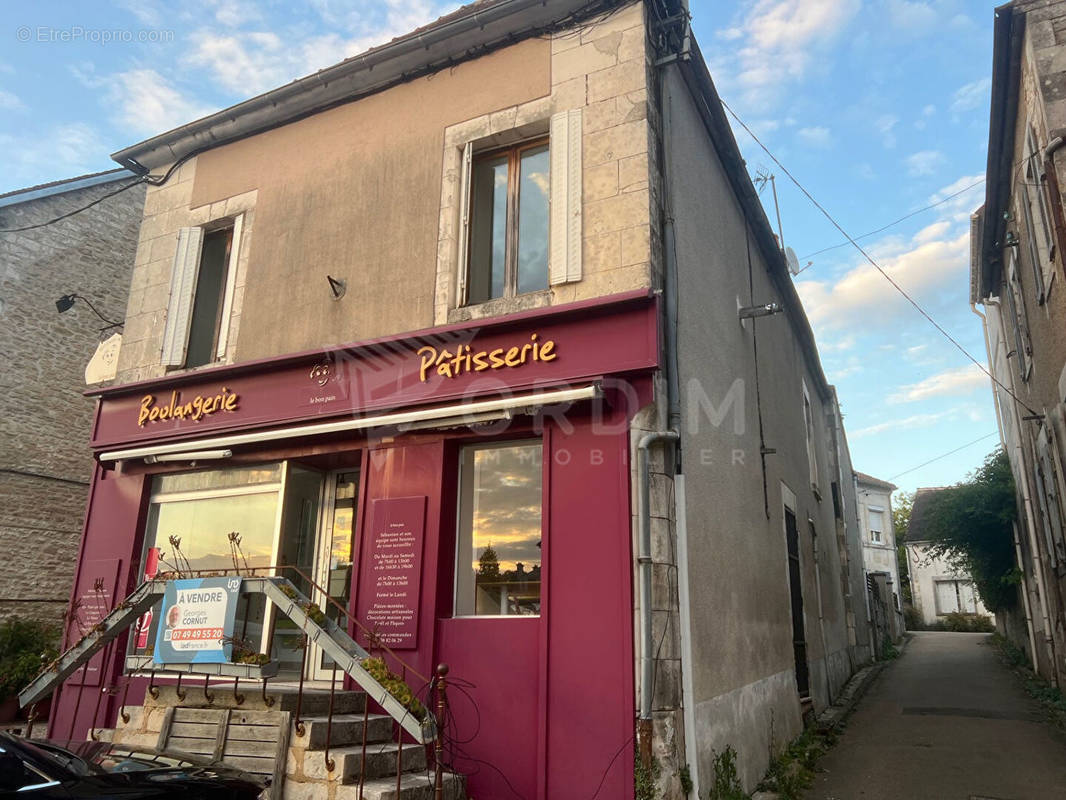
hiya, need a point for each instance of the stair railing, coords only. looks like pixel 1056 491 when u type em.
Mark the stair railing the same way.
pixel 346 654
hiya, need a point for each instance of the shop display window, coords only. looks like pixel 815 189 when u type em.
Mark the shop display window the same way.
pixel 498 562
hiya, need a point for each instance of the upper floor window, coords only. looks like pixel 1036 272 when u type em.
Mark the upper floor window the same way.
pixel 1023 347
pixel 520 211
pixel 1037 216
pixel 509 223
pixel 201 295
pixel 812 450
pixel 877 525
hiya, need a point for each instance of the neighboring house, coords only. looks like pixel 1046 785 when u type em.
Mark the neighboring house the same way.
pixel 1018 241
pixel 938 586
pixel 44 417
pixel 503 284
pixel 878 536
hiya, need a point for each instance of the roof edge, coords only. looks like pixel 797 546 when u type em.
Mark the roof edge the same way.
pixel 461 36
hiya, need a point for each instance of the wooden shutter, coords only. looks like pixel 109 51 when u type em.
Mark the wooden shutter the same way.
pixel 231 286
pixel 182 291
pixel 463 267
pixel 566 175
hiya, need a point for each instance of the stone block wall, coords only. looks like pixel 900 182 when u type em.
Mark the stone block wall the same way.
pixel 45 463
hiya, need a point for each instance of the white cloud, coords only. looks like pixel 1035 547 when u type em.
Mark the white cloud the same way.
pixel 913 17
pixel 863 296
pixel 929 110
pixel 780 40
pixel 148 104
pixel 906 423
pixel 9 101
pixel 958 381
pixel 971 96
pixel 865 171
pixel 233 13
pixel 59 152
pixel 924 162
pixel 931 232
pixel 817 136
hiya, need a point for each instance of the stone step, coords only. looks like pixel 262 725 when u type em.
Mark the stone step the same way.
pixel 347 730
pixel 413 786
pixel 285 698
pixel 380 761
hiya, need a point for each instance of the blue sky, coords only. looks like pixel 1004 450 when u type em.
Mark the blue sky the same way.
pixel 879 107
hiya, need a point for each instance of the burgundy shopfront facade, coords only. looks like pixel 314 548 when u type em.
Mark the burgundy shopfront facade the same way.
pixel 501 447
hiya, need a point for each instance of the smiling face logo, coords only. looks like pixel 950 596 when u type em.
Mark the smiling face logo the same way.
pixel 321 372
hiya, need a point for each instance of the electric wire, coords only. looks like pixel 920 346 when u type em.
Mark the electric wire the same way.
pixel 944 455
pixel 883 228
pixel 69 214
pixel 875 265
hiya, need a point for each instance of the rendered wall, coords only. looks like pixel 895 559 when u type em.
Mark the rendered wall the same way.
pixel 744 682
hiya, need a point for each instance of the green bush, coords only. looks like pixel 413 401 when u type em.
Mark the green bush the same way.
pixel 395 686
pixel 726 781
pixel 26 647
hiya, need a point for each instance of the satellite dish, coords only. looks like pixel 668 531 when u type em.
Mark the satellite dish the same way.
pixel 792 261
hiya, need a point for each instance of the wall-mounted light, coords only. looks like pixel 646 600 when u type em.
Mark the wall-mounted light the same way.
pixel 1012 239
pixel 66 302
pixel 337 287
pixel 764 310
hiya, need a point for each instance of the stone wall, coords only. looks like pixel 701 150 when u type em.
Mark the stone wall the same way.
pixel 45 463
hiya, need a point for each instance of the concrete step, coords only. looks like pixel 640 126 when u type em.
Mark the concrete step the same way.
pixel 413 786
pixel 285 698
pixel 380 762
pixel 347 730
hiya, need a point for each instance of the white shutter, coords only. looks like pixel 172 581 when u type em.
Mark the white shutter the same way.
pixel 566 176
pixel 231 286
pixel 947 598
pixel 464 222
pixel 182 290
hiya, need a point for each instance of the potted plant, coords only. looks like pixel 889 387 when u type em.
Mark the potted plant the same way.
pixel 26 646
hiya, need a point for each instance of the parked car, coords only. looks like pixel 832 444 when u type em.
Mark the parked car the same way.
pixel 50 771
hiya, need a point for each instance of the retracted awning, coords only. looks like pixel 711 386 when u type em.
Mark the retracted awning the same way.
pixel 479 411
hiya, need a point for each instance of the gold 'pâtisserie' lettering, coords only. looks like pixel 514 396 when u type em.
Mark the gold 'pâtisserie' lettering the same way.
pixel 465 359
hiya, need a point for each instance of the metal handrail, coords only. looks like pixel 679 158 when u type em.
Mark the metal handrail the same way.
pixel 334 641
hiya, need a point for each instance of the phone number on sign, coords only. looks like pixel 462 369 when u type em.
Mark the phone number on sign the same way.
pixel 199 634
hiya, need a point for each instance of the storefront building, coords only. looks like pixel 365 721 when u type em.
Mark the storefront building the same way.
pixel 484 297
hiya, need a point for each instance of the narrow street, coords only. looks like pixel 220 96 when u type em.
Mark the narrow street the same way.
pixel 945 721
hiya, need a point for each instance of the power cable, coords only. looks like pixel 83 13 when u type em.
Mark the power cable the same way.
pixel 61 217
pixel 944 455
pixel 896 222
pixel 875 265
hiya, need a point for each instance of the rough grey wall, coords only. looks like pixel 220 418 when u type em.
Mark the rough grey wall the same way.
pixel 744 682
pixel 45 421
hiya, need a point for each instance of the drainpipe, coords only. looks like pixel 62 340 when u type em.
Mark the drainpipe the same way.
pixel 821 614
pixel 647 645
pixel 1055 195
pixel 1030 520
pixel 1017 541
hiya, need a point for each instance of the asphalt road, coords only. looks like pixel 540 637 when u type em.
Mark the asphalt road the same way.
pixel 946 721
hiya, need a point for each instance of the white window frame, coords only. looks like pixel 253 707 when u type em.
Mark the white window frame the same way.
pixel 879 539
pixel 812 451
pixel 565 228
pixel 183 279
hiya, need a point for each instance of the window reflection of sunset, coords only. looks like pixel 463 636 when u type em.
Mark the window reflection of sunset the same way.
pixel 204 525
pixel 507 505
pixel 341 550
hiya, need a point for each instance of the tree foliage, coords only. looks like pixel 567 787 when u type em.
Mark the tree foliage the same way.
pixel 971 523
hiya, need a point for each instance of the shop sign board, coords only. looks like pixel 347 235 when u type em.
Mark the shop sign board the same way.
pixel 196 621
pixel 392 570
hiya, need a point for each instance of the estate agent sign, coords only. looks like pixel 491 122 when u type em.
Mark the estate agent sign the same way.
pixel 196 621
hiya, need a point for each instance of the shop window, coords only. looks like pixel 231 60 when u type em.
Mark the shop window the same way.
pixel 202 284
pixel 520 211
pixel 498 561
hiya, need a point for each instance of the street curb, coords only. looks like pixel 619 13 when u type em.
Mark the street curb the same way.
pixel 854 690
